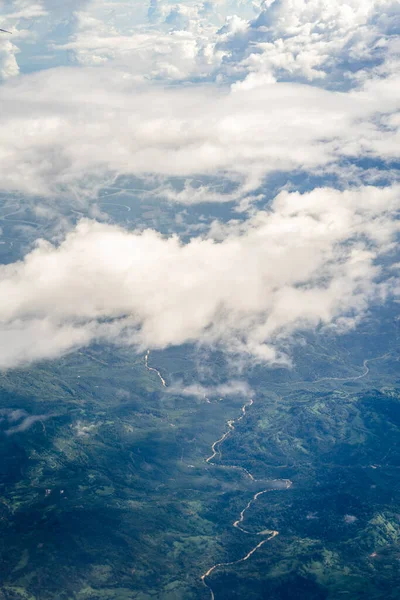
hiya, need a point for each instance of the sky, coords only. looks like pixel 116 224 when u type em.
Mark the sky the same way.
pixel 221 96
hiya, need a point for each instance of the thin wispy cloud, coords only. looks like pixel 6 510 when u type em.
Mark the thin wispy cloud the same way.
pixel 18 420
pixel 230 388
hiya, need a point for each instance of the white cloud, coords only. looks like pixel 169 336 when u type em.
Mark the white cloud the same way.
pixel 8 62
pixel 312 40
pixel 161 40
pixel 227 40
pixel 308 261
pixel 53 140
pixel 288 39
pixel 13 12
pixel 231 388
pixel 19 420
pixel 16 17
pixel 311 260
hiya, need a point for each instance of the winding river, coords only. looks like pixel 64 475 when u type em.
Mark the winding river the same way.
pixel 238 524
pixel 361 376
pixel 215 448
pixel 146 362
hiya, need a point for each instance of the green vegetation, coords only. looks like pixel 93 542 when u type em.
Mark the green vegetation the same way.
pixel 107 495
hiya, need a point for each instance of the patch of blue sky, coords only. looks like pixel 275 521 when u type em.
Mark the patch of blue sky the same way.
pixel 344 174
pixel 43 52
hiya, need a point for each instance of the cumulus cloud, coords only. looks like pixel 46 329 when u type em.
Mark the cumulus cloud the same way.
pixel 53 140
pixel 167 40
pixel 68 130
pixel 229 40
pixel 8 63
pixel 16 17
pixel 282 39
pixel 309 260
pixel 312 40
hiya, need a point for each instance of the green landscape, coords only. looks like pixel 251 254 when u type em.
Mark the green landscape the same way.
pixel 106 491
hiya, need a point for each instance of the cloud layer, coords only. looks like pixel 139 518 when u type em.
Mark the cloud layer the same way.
pixel 53 141
pixel 65 131
pixel 280 39
pixel 203 101
pixel 310 260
